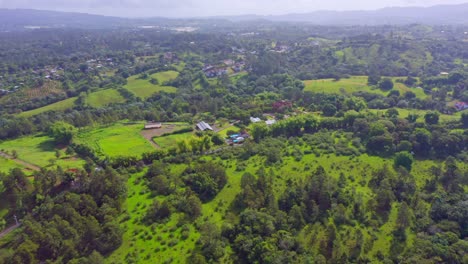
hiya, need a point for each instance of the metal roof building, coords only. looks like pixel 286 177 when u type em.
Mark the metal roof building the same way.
pixel 204 126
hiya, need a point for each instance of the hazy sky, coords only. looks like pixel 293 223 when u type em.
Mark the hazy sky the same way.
pixel 193 8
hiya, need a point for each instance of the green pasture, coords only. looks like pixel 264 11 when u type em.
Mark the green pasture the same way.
pixel 403 113
pixel 144 88
pixel 104 98
pixel 58 106
pixel 171 140
pixel 356 84
pixel 40 150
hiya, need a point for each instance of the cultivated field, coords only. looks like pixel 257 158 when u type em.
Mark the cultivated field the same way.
pixel 171 140
pixel 166 128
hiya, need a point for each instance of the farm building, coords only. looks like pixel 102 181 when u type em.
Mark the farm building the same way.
pixel 202 126
pixel 153 126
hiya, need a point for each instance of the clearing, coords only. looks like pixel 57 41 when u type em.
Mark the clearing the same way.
pixel 356 84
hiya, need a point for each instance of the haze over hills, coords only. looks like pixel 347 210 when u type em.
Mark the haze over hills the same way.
pixel 17 19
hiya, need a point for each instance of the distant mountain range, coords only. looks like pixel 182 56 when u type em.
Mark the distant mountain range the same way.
pixel 17 19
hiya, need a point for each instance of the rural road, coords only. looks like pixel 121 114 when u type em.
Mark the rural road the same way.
pixel 8 230
pixel 22 162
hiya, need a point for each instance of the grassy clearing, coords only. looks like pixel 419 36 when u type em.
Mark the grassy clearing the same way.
pixel 119 139
pixel 144 89
pixel 40 150
pixel 403 113
pixel 171 140
pixel 58 106
pixel 104 98
pixel 6 165
pixel 355 84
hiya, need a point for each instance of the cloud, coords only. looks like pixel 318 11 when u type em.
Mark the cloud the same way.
pixel 192 8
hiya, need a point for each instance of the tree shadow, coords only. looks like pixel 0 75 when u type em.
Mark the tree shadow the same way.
pixel 48 145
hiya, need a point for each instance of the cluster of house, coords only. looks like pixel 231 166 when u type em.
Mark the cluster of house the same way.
pixel 281 48
pixel 237 138
pixel 223 69
pixel 269 122
pixel 49 72
pixel 99 63
pixel 460 106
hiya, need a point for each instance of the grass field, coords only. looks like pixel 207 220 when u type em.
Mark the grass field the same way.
pixel 6 165
pixel 144 89
pixel 171 140
pixel 58 106
pixel 104 98
pixel 40 150
pixel 403 113
pixel 119 139
pixel 355 84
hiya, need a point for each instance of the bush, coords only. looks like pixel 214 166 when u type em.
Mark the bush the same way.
pixel 403 159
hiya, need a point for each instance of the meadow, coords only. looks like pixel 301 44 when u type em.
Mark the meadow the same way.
pixel 40 150
pixel 104 98
pixel 120 139
pixel 58 106
pixel 403 113
pixel 144 88
pixel 356 84
pixel 171 140
pixel 96 99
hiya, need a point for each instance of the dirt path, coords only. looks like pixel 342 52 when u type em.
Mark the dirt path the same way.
pixel 22 162
pixel 8 230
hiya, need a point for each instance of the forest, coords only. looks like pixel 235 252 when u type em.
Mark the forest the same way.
pixel 324 144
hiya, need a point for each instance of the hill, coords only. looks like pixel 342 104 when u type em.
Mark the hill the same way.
pixel 20 19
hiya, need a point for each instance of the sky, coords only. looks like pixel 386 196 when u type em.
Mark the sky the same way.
pixel 199 8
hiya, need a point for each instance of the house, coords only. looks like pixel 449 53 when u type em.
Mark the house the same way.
pixel 212 72
pixel 153 125
pixel 460 106
pixel 255 119
pixel 228 62
pixel 202 126
pixel 444 74
pixel 270 122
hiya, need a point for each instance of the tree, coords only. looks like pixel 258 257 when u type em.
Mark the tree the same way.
pixel 464 119
pixel 403 159
pixel 62 132
pixel 432 117
pixel 386 84
pixel 392 113
pixel 259 131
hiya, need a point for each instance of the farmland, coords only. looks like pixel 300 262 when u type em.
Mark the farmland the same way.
pixel 120 139
pixel 144 88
